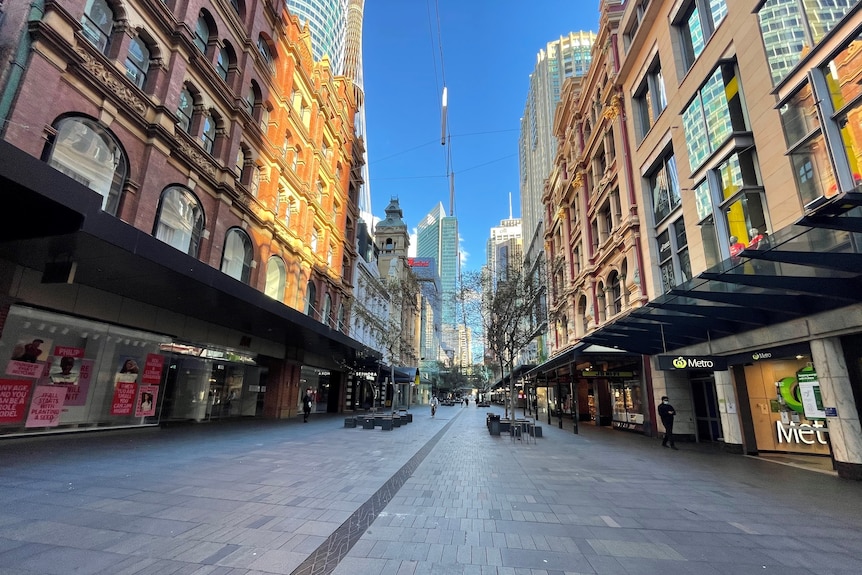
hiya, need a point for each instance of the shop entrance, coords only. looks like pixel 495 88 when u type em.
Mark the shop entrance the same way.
pixel 200 389
pixel 707 417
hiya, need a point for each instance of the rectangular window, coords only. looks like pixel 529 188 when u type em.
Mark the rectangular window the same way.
pixel 714 115
pixel 650 99
pixel 664 184
pixel 696 23
pixel 673 258
pixel 789 28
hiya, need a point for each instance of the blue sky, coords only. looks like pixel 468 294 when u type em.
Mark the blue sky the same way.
pixel 489 49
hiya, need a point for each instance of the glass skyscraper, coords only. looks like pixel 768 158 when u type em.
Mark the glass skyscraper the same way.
pixel 437 237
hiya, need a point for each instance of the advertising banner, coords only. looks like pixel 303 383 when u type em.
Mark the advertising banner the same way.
pixel 13 399
pixel 153 369
pixel 145 405
pixel 46 407
pixel 124 397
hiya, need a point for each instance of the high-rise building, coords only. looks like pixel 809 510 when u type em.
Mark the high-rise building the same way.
pixel 567 57
pixel 336 32
pixel 563 58
pixel 437 237
pixel 327 23
pixel 505 248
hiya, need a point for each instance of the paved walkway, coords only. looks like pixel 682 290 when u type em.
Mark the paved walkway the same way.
pixel 438 496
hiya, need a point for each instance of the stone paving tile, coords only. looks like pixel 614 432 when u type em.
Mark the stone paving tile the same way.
pixel 463 502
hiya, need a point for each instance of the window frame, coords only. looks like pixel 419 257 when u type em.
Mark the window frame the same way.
pixel 195 231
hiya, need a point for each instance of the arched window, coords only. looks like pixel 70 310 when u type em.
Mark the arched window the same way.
pixel 240 161
pixel 237 256
pixel 138 62
pixel 616 293
pixel 310 299
pixel 208 134
pixel 253 100
pixel 185 110
pixel 275 278
pixel 582 315
pixel 315 234
pixel 89 153
pixel 327 310
pixel 341 317
pixel 97 23
pixel 288 212
pixel 265 52
pixel 223 63
pixel 602 303
pixel 202 33
pixel 389 245
pixel 180 220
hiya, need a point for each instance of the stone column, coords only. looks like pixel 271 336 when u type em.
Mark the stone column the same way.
pixel 729 411
pixel 845 432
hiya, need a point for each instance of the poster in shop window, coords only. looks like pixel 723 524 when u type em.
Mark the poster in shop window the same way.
pixel 46 406
pixel 14 394
pixel 68 367
pixel 145 405
pixel 124 397
pixel 28 357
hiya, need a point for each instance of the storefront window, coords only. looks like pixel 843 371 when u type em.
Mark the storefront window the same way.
pixel 66 372
pixel 627 404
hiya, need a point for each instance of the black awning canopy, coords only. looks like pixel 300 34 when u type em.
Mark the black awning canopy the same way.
pixel 812 266
pixel 56 220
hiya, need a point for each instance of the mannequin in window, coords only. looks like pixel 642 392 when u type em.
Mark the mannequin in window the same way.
pixel 758 240
pixel 736 247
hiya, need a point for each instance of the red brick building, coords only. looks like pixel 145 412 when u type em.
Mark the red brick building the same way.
pixel 186 195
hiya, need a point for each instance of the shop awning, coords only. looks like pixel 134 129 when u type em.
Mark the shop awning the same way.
pixel 401 374
pixel 50 220
pixel 812 266
pixel 581 351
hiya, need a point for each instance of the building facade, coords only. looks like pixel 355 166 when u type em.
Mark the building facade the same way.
pixel 437 238
pixel 744 174
pixel 567 57
pixel 201 163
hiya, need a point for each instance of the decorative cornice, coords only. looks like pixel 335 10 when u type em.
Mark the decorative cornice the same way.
pixel 110 79
pixel 196 157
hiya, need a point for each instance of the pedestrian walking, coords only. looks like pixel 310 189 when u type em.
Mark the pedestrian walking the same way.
pixel 307 402
pixel 666 412
pixel 434 403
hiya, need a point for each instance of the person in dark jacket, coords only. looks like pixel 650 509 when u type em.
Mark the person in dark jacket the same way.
pixel 666 412
pixel 307 402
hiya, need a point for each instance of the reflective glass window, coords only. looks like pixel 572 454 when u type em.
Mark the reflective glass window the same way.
pixel 180 221
pixel 89 154
pixel 276 278
pixel 137 62
pixel 237 255
pixel 97 23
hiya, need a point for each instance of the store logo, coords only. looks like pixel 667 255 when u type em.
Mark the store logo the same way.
pixel 801 433
pixel 761 355
pixel 710 362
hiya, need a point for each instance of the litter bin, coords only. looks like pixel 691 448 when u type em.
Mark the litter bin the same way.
pixel 494 424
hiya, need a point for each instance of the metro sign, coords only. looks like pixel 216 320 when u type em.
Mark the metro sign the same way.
pixel 688 362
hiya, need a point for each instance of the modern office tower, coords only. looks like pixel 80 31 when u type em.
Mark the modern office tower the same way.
pixel 505 248
pixel 327 23
pixel 464 354
pixel 563 58
pixel 567 57
pixel 437 237
pixel 190 210
pixel 336 32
